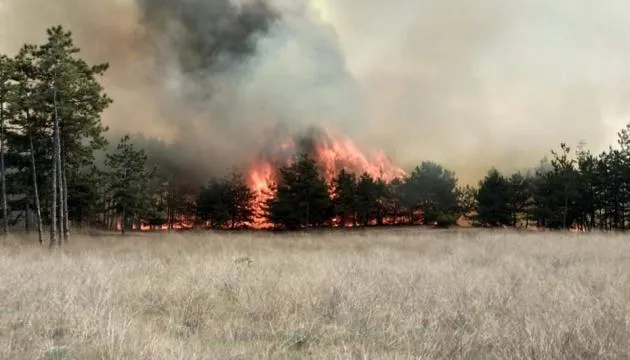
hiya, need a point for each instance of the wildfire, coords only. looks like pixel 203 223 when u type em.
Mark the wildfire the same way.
pixel 341 153
pixel 261 178
pixel 332 153
pixel 179 223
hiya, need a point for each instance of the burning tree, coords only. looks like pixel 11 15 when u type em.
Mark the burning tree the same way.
pixel 301 197
pixel 330 154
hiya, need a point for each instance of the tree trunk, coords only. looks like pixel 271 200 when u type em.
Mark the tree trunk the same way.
pixel 566 208
pixel 38 209
pixel 66 217
pixel 60 202
pixel 123 221
pixel 27 220
pixel 5 210
pixel 53 208
pixel 307 215
pixel 111 222
pixel 53 204
pixel 55 167
pixel 171 219
pixel 57 161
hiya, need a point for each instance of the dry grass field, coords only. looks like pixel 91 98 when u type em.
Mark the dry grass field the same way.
pixel 386 294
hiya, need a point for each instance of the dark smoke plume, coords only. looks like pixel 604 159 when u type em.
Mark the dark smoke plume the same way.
pixel 206 36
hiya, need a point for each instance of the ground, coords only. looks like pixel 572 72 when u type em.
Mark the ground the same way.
pixel 383 294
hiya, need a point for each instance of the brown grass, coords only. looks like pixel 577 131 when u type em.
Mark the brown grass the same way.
pixel 366 295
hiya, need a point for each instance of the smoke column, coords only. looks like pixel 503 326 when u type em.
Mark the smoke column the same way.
pixel 468 84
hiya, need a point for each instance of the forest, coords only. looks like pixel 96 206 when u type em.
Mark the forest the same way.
pixel 51 104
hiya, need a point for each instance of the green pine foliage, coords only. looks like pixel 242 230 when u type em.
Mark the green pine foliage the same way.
pixel 49 83
pixel 302 198
pixel 129 180
pixel 345 197
pixel 493 199
pixel 226 203
pixel 433 189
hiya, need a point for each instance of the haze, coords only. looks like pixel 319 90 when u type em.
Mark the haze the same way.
pixel 470 85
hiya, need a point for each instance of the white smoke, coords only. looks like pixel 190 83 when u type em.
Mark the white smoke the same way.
pixel 475 84
pixel 468 84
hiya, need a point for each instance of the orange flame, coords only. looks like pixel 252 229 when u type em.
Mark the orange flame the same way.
pixel 336 154
pixel 332 153
pixel 261 178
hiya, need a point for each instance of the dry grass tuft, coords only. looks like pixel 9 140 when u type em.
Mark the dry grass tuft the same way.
pixel 366 295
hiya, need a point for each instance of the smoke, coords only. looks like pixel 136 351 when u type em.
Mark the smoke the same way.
pixel 468 84
pixel 476 84
pixel 205 37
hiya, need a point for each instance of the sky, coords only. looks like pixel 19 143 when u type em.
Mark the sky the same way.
pixel 467 84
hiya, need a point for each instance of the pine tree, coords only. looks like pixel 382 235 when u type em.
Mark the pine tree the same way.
pixel 493 199
pixel 519 197
pixel 57 206
pixel 7 75
pixel 589 188
pixel 345 197
pixel 433 190
pixel 367 198
pixel 70 90
pixel 566 178
pixel 467 200
pixel 556 195
pixel 129 181
pixel 213 204
pixel 395 201
pixel 241 201
pixel 31 119
pixel 301 197
pixel 382 201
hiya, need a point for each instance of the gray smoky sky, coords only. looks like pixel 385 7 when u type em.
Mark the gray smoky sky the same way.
pixel 468 84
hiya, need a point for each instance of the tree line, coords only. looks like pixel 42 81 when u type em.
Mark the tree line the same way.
pixel 571 189
pixel 575 188
pixel 51 102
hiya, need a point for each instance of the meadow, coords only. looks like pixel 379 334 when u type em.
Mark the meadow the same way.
pixel 370 294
